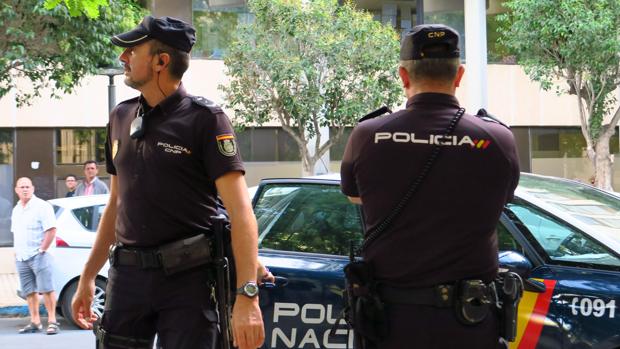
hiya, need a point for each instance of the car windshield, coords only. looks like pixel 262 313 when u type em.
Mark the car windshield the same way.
pixel 589 205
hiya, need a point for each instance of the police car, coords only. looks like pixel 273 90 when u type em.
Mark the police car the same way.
pixel 562 236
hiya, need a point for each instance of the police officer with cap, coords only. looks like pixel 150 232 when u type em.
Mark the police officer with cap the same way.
pixel 435 260
pixel 169 155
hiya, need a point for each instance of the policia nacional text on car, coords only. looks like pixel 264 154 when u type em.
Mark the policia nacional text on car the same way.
pixel 169 155
pixel 432 181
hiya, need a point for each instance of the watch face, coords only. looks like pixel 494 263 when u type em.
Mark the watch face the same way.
pixel 250 289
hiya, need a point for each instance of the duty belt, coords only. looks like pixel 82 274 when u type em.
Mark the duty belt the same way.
pixel 142 258
pixel 441 296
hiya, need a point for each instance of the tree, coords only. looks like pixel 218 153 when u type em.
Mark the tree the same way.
pixel 577 42
pixel 311 64
pixel 90 8
pixel 48 48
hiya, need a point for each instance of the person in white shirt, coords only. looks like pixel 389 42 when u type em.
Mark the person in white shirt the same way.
pixel 33 225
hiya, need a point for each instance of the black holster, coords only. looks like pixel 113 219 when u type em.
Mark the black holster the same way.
pixel 364 310
pixel 510 290
pixel 185 254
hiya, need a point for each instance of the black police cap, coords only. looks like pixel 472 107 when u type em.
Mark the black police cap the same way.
pixel 443 39
pixel 170 31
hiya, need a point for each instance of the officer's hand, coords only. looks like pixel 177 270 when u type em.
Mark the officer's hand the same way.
pixel 247 323
pixel 81 305
pixel 264 275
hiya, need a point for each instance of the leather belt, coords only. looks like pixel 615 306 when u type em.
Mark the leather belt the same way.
pixel 142 258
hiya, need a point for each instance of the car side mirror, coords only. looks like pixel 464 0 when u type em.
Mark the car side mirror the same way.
pixel 515 262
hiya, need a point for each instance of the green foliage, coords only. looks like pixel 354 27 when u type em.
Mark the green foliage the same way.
pixel 577 41
pixel 48 48
pixel 311 64
pixel 90 8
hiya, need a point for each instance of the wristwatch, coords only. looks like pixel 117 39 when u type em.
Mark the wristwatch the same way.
pixel 41 250
pixel 249 289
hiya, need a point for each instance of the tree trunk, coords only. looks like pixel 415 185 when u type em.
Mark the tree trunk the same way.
pixel 307 164
pixel 603 162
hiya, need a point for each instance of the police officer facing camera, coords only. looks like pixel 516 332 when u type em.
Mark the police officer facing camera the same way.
pixel 169 155
pixel 434 262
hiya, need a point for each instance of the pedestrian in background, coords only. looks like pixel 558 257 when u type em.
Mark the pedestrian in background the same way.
pixel 91 185
pixel 441 244
pixel 33 225
pixel 71 183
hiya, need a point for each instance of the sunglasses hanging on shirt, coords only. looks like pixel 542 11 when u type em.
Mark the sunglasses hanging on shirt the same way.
pixel 136 130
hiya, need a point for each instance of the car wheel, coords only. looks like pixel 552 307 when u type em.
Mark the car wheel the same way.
pixel 98 301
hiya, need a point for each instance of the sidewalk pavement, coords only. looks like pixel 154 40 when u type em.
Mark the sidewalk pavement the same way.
pixel 10 303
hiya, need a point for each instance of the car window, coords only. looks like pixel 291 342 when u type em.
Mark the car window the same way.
pixel 57 210
pixel 314 218
pixel 506 242
pixel 89 216
pixel 561 242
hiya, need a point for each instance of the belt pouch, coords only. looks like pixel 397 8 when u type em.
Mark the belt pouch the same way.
pixel 185 254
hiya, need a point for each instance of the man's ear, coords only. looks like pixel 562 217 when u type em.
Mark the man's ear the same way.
pixel 163 60
pixel 404 77
pixel 459 76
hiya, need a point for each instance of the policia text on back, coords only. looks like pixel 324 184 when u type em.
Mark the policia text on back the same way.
pixel 472 300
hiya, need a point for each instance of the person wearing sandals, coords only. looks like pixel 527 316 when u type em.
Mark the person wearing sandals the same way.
pixel 432 181
pixel 33 225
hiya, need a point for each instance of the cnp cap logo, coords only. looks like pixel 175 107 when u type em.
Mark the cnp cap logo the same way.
pixel 435 35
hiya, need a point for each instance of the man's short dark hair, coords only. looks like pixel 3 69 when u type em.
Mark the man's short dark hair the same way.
pixel 71 175
pixel 90 162
pixel 179 60
pixel 432 69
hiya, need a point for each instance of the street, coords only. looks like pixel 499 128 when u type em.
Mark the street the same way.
pixel 69 336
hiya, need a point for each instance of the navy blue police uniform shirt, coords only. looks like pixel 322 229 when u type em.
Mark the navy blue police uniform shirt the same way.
pixel 447 231
pixel 166 179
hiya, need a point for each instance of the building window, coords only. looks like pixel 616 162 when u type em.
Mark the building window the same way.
pixel 267 144
pixel 216 22
pixel 6 147
pixel 400 15
pixel 76 146
pixel 337 150
pixel 552 142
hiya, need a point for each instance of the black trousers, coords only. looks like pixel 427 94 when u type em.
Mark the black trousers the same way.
pixel 140 303
pixel 427 327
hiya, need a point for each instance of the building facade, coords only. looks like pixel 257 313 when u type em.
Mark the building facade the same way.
pixel 53 137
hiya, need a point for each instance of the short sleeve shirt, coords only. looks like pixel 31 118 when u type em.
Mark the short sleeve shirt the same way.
pixel 447 230
pixel 29 224
pixel 166 178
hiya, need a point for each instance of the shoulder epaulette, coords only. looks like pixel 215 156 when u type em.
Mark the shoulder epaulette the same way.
pixel 374 114
pixel 207 103
pixel 484 115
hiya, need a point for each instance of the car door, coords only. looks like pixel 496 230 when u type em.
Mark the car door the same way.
pixel 305 229
pixel 578 309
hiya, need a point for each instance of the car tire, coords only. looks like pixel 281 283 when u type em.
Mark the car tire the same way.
pixel 98 301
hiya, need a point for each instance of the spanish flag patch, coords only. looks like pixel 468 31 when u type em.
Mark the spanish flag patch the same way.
pixel 226 144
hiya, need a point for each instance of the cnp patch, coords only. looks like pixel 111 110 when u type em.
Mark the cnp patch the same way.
pixel 114 148
pixel 226 144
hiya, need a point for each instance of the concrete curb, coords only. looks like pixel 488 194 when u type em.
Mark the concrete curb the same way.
pixel 19 311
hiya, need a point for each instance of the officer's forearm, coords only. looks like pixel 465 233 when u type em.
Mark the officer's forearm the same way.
pixel 244 231
pixel 245 247
pixel 105 237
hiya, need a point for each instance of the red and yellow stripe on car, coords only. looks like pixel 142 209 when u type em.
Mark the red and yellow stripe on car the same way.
pixel 533 310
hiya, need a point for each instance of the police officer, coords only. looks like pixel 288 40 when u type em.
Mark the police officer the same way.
pixel 169 154
pixel 443 244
